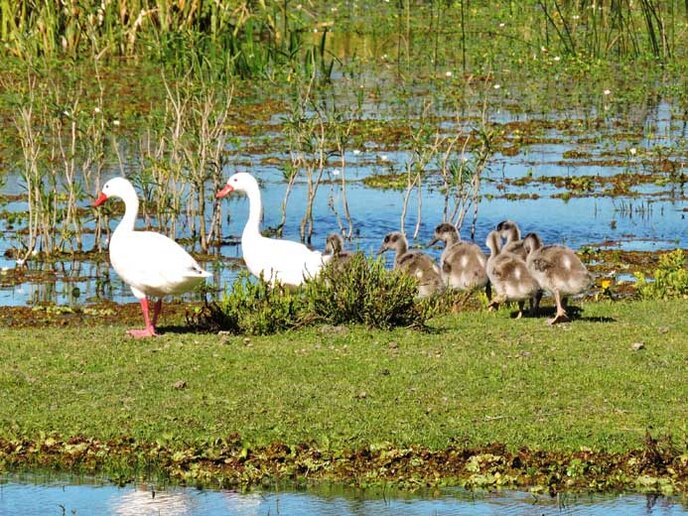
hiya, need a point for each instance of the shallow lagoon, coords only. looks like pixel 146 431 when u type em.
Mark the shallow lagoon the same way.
pixel 22 497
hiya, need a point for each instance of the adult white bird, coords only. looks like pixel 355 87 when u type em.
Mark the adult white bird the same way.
pixel 150 263
pixel 275 260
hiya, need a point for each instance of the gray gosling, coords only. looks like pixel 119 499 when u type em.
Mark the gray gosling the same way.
pixel 511 234
pixel 462 264
pixel 511 280
pixel 414 263
pixel 557 270
pixel 334 246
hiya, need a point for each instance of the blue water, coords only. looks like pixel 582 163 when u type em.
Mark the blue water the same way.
pixel 64 498
pixel 652 218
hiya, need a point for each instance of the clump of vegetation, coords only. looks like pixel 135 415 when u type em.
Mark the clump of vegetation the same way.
pixel 254 308
pixel 670 279
pixel 361 292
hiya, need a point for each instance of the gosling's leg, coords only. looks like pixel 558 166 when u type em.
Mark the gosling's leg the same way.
pixel 560 316
pixel 535 303
pixel 521 306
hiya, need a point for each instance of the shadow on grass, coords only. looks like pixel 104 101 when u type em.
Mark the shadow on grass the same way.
pixel 575 313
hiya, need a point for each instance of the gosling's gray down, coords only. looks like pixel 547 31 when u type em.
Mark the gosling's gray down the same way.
pixel 557 270
pixel 334 246
pixel 511 233
pixel 511 280
pixel 414 263
pixel 462 264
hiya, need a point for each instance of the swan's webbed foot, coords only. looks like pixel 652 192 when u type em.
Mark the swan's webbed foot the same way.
pixel 142 334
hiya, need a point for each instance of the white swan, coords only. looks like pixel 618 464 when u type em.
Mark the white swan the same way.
pixel 276 261
pixel 150 263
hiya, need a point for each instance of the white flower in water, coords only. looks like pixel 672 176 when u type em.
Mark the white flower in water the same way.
pixel 497 86
pixel 448 73
pixel 607 92
pixel 335 172
pixel 115 123
pixel 383 157
pixel 356 152
pixel 633 151
pixel 557 58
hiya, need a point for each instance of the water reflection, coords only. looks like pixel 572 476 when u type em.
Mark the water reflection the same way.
pixel 23 497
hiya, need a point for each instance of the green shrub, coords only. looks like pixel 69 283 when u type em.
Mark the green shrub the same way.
pixel 670 280
pixel 361 291
pixel 253 307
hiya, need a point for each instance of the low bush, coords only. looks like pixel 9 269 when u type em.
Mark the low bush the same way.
pixel 363 291
pixel 669 280
pixel 360 291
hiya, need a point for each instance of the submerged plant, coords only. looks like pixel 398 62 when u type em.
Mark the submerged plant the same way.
pixel 669 280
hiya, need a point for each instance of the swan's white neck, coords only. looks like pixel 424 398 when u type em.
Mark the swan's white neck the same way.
pixel 255 212
pixel 131 209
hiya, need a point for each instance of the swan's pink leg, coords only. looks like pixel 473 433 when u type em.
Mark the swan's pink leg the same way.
pixel 149 331
pixel 157 308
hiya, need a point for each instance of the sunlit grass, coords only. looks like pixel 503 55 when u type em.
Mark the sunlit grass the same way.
pixel 477 378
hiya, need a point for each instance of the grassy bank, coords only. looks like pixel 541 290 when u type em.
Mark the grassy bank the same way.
pixel 476 378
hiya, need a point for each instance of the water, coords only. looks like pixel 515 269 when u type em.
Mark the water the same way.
pixel 650 218
pixel 19 498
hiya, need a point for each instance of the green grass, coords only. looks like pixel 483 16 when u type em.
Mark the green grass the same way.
pixel 478 378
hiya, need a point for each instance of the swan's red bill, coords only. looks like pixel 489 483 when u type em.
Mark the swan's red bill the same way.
pixel 100 200
pixel 225 191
